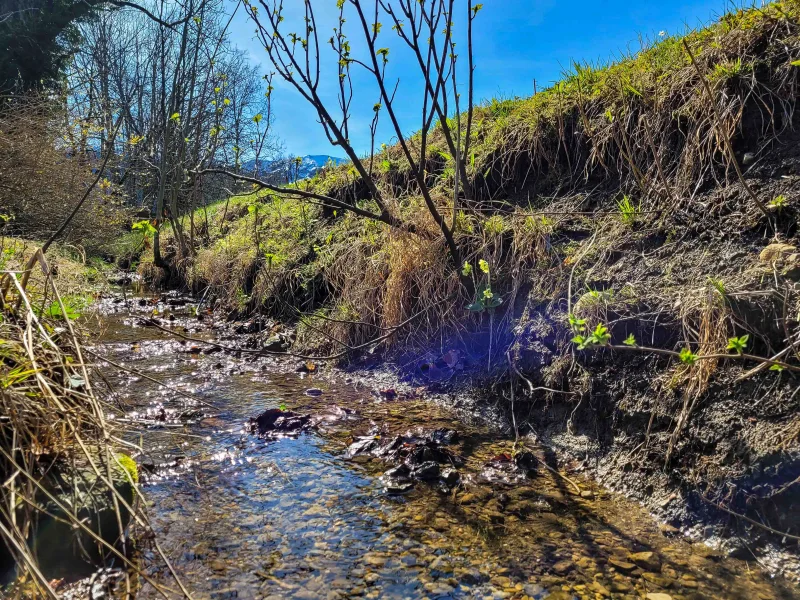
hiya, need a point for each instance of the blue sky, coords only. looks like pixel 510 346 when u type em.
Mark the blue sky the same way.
pixel 516 41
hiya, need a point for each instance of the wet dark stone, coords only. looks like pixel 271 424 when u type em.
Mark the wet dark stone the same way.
pixel 420 455
pixel 291 422
pixel 398 471
pixel 415 452
pixel 509 470
pixel 361 446
pixel 397 480
pixel 275 419
pixel 426 471
pixel 391 448
pixel 443 436
pixel 313 392
pixel 396 487
pixel 275 344
pixel 525 461
pixel 450 477
pixel 252 326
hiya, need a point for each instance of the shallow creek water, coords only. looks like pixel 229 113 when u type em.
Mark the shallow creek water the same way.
pixel 241 517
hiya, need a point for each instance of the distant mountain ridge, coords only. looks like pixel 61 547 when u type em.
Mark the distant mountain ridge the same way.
pixel 287 169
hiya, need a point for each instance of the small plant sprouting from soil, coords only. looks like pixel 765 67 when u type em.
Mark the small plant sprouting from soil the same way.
pixel 599 336
pixel 738 344
pixel 778 202
pixel 687 356
pixel 629 212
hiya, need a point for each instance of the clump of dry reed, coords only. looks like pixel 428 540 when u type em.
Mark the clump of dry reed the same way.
pixel 54 436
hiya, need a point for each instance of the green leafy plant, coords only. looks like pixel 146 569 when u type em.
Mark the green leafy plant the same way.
pixel 738 344
pixel 730 70
pixel 485 298
pixel 688 357
pixel 599 337
pixel 576 324
pixel 494 225
pixel 630 340
pixel 629 212
pixel 778 202
pixel 145 227
pixel 73 306
pixel 718 285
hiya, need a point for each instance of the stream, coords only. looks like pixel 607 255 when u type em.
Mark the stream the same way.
pixel 298 516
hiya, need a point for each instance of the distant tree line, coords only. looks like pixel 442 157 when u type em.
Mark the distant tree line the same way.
pixel 157 85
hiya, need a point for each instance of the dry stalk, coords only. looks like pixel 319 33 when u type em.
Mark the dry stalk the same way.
pixel 50 409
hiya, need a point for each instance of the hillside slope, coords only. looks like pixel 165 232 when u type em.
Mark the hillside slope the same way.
pixel 607 200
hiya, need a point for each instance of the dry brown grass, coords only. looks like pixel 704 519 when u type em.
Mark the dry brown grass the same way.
pixel 55 435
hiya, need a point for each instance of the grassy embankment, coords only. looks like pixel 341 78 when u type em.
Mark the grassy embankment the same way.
pixel 608 164
pixel 611 196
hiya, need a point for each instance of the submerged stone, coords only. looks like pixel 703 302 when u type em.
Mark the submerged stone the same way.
pixel 646 560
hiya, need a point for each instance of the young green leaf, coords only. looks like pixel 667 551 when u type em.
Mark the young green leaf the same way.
pixel 688 357
pixel 738 344
pixel 580 341
pixel 145 226
pixel 600 335
pixel 630 340
pixel 577 324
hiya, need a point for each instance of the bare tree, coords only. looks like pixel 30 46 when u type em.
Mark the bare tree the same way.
pixel 427 28
pixel 187 97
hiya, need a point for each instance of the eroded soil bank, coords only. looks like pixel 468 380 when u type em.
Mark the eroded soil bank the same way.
pixel 314 515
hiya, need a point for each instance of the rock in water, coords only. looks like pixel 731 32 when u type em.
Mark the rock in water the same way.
pixel 443 436
pixel 277 420
pixel 426 471
pixel 450 477
pixel 646 560
pixel 397 480
pixel 361 445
